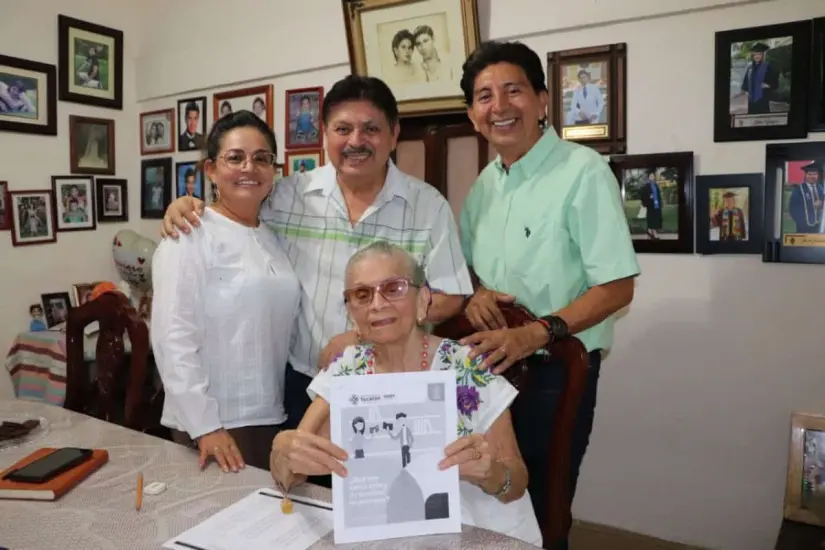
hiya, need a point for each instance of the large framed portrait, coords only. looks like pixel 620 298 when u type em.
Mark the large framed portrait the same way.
pixel 74 203
pixel 303 118
pixel 729 214
pixel 32 217
pixel 588 96
pixel 302 161
pixel 762 82
pixel 816 99
pixel 5 206
pixel 112 200
pixel 257 100
pixel 90 63
pixel 805 484
pixel 189 180
pixel 157 132
pixel 91 145
pixel 416 46
pixel 794 196
pixel 28 96
pixel 657 194
pixel 155 187
pixel 192 124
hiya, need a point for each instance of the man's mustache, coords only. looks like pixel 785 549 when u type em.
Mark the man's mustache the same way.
pixel 362 150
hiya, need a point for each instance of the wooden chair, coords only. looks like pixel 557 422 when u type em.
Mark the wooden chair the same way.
pixel 556 524
pixel 101 394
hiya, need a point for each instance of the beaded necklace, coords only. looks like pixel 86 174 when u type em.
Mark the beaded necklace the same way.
pixel 425 357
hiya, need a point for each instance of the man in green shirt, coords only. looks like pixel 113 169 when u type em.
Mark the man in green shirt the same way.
pixel 543 226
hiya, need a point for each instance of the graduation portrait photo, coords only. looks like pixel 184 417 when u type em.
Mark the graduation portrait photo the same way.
pixel 729 213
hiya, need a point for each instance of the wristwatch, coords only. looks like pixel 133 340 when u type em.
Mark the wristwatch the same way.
pixel 556 327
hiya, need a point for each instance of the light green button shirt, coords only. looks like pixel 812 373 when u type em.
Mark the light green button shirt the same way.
pixel 549 230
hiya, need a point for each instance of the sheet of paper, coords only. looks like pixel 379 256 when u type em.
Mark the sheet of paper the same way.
pixel 395 428
pixel 257 523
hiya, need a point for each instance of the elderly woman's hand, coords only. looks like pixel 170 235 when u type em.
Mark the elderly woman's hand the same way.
pixel 471 454
pixel 308 454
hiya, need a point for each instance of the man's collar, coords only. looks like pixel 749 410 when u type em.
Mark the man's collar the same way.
pixel 325 179
pixel 532 160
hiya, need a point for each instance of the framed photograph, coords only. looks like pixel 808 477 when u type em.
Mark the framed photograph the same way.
pixel 816 98
pixel 192 119
pixel 729 214
pixel 657 194
pixel 90 63
pixel 74 204
pixel 112 200
pixel 416 46
pixel 805 485
pixel 189 180
pixel 32 217
pixel 302 161
pixel 157 132
pixel 590 90
pixel 257 100
pixel 28 96
pixel 303 118
pixel 762 82
pixel 794 195
pixel 82 293
pixel 91 145
pixel 5 206
pixel 56 307
pixel 155 187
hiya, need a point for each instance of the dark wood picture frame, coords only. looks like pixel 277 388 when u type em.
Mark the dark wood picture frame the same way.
pixel 289 143
pixel 170 115
pixel 816 97
pixel 68 91
pixel 5 212
pixel 166 164
pixel 49 128
pixel 784 242
pixel 752 220
pixel 46 195
pixel 100 196
pixel 266 90
pixel 198 142
pixel 89 183
pixel 609 136
pixel 45 298
pixel 682 162
pixel 288 156
pixel 75 154
pixel 796 125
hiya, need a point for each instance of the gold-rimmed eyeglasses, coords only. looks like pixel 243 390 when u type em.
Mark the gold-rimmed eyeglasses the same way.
pixel 235 159
pixel 392 290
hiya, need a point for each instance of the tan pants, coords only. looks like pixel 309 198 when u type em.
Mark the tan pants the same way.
pixel 254 442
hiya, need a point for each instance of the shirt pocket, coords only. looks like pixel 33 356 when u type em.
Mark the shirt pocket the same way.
pixel 223 291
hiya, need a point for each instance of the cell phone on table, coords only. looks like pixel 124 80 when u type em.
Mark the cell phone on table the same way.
pixel 50 466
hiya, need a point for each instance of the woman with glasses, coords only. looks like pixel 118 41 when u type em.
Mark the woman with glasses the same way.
pixel 387 299
pixel 224 301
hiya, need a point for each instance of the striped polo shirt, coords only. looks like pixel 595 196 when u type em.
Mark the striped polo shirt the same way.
pixel 308 213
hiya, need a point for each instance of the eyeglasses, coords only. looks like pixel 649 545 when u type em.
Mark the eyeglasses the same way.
pixel 235 159
pixel 391 289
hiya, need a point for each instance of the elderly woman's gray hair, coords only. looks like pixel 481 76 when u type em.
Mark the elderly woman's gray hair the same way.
pixel 413 269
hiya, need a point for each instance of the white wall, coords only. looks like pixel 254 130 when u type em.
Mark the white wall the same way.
pixel 691 434
pixel 29 161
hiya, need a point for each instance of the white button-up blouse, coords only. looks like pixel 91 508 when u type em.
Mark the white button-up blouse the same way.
pixel 224 304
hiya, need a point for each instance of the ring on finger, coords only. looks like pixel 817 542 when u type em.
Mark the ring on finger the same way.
pixel 476 454
pixel 503 349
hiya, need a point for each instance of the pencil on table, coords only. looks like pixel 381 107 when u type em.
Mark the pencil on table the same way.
pixel 139 493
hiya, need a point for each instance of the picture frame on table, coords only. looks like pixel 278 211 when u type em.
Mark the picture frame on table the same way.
pixel 112 200
pixel 157 132
pixel 188 180
pixel 794 196
pixel 302 161
pixel 192 124
pixel 32 217
pixel 155 187
pixel 56 306
pixel 5 206
pixel 82 293
pixel 657 193
pixel 302 120
pixel 417 47
pixel 90 63
pixel 805 481
pixel 762 82
pixel 91 145
pixel 28 96
pixel 588 96
pixel 816 97
pixel 73 203
pixel 729 214
pixel 257 99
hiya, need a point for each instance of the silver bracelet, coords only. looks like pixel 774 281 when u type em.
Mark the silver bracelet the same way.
pixel 507 484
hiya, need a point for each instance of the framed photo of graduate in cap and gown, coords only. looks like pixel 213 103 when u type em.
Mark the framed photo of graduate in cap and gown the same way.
pixel 729 214
pixel 794 199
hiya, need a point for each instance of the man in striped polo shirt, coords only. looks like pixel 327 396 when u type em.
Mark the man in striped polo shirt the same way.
pixel 324 216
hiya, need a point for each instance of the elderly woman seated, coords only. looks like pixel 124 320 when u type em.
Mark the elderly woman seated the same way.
pixel 387 298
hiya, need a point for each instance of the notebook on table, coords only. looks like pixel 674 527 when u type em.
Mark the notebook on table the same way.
pixel 55 487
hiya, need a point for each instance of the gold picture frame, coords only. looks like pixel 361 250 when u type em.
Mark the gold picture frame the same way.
pixel 804 501
pixel 382 33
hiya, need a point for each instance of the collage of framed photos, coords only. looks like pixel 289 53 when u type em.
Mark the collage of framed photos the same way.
pixel 89 72
pixel 769 85
pixel 184 130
